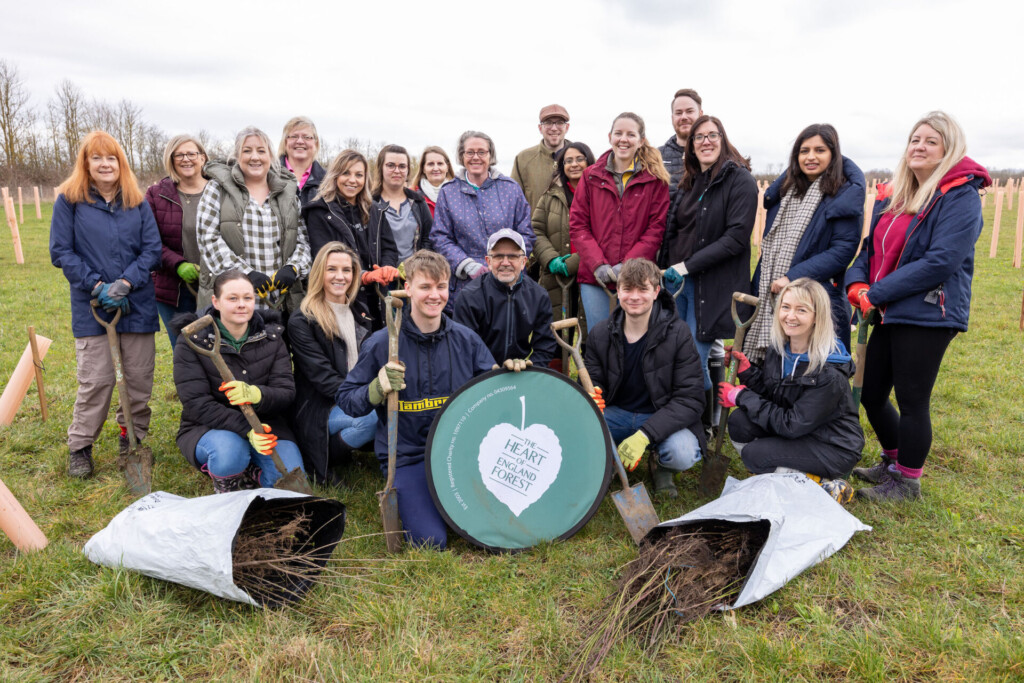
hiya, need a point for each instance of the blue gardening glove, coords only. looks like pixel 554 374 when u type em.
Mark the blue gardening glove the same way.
pixel 675 274
pixel 557 266
pixel 99 292
pixel 605 274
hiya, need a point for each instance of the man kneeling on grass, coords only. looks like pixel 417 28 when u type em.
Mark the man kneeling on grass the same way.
pixel 644 365
pixel 437 356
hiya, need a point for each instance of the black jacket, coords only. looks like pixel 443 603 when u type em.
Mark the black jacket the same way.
pixel 424 221
pixel 321 365
pixel 720 264
pixel 375 244
pixel 818 406
pixel 671 369
pixel 514 322
pixel 672 156
pixel 312 186
pixel 263 361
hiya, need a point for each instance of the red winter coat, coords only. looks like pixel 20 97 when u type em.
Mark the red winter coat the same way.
pixel 606 228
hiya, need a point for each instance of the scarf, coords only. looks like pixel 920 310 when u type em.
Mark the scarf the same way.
pixel 429 191
pixel 347 330
pixel 777 251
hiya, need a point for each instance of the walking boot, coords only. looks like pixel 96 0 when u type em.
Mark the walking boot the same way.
pixel 234 482
pixel 251 477
pixel 80 463
pixel 894 487
pixel 876 473
pixel 664 479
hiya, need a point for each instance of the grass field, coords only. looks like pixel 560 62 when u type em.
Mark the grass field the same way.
pixel 935 592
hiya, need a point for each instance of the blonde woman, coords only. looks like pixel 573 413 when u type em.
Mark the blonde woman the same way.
pixel 326 333
pixel 435 169
pixel 796 411
pixel 915 269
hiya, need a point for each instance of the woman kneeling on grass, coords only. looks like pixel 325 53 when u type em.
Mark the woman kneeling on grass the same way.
pixel 214 435
pixel 915 267
pixel 796 412
pixel 326 333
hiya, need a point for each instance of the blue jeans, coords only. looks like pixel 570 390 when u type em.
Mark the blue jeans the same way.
pixel 423 524
pixel 596 304
pixel 355 431
pixel 680 451
pixel 686 306
pixel 186 304
pixel 225 454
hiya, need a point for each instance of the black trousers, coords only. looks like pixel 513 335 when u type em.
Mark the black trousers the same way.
pixel 764 451
pixel 904 358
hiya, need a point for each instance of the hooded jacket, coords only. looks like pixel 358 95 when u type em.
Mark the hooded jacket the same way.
pixel 785 401
pixel 828 244
pixel 465 217
pixel 101 242
pixel 262 361
pixel 931 285
pixel 720 263
pixel 514 322
pixel 437 364
pixel 671 369
pixel 609 229
pixel 312 186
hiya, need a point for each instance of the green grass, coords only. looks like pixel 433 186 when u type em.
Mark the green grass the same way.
pixel 935 592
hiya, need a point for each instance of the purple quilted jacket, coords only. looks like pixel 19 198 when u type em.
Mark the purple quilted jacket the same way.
pixel 163 199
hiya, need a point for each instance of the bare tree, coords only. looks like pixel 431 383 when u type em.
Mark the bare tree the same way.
pixel 130 132
pixel 16 118
pixel 69 113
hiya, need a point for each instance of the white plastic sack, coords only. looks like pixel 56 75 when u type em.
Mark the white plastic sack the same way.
pixel 807 526
pixel 182 540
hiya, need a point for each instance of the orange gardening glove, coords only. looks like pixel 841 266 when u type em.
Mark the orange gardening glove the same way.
pixel 388 274
pixel 598 399
pixel 372 276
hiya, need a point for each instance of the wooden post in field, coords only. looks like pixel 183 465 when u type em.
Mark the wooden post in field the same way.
pixel 39 208
pixel 1010 187
pixel 1019 241
pixel 21 207
pixel 12 222
pixel 37 364
pixel 995 224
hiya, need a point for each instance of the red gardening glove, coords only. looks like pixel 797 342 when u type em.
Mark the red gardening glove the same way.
pixel 368 277
pixel 374 275
pixel 742 362
pixel 388 274
pixel 727 394
pixel 855 293
pixel 597 398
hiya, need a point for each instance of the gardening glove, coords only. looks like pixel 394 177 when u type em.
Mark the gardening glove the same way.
pixel 284 278
pixel 99 292
pixel 557 266
pixel 857 295
pixel 597 398
pixel 676 273
pixel 117 291
pixel 727 394
pixel 632 449
pixel 388 274
pixel 470 270
pixel 261 283
pixel 742 362
pixel 617 268
pixel 188 272
pixel 517 364
pixel 605 274
pixel 263 443
pixel 401 270
pixel 390 378
pixel 369 277
pixel 240 392
pixel 125 307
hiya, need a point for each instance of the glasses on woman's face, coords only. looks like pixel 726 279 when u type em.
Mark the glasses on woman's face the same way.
pixel 304 138
pixel 477 153
pixel 391 166
pixel 700 137
pixel 191 156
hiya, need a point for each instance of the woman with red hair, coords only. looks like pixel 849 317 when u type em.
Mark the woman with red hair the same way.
pixel 105 239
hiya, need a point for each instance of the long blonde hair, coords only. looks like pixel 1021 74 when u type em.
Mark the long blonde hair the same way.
pixel 329 185
pixel 823 338
pixel 314 305
pixel 647 156
pixel 908 196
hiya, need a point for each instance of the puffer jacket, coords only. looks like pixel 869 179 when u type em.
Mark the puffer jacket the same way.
pixel 262 361
pixel 931 285
pixel 671 369
pixel 465 217
pixel 672 156
pixel 828 244
pixel 436 365
pixel 794 404
pixel 101 242
pixel 609 229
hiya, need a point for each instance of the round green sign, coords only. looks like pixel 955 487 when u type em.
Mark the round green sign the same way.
pixel 515 459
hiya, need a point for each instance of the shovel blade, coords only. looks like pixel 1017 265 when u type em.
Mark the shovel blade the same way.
pixel 712 476
pixel 294 481
pixel 393 532
pixel 637 511
pixel 138 471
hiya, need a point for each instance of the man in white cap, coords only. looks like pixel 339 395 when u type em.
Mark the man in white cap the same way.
pixel 535 166
pixel 510 312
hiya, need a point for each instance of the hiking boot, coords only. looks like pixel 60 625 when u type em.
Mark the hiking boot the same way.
pixel 80 463
pixel 894 487
pixel 876 473
pixel 839 489
pixel 664 481
pixel 251 477
pixel 235 482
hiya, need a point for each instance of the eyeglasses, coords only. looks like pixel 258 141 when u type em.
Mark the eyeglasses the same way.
pixel 553 123
pixel 191 156
pixel 477 153
pixel 700 137
pixel 575 160
pixel 306 138
pixel 392 166
pixel 506 257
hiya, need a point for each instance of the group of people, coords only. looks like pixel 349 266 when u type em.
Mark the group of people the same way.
pixel 293 260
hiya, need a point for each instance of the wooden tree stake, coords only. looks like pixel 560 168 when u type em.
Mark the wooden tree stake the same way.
pixel 21 208
pixel 39 208
pixel 12 221
pixel 37 364
pixel 995 224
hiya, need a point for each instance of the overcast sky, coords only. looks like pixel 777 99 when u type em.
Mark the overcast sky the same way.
pixel 419 73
